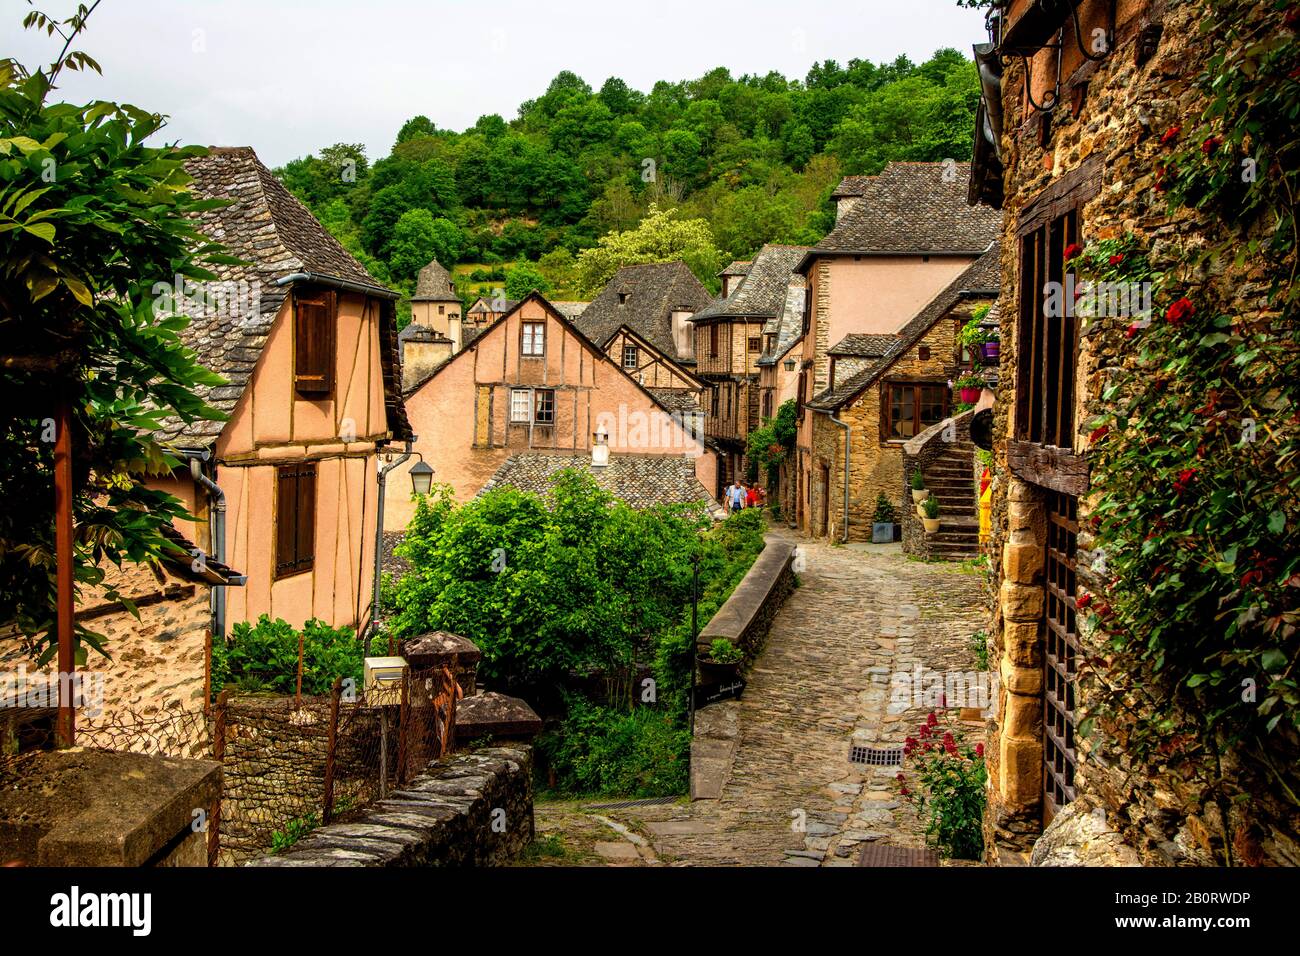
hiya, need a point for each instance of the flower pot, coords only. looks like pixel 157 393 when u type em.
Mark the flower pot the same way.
pixel 990 351
pixel 931 525
pixel 920 494
pixel 882 532
pixel 712 672
pixel 969 396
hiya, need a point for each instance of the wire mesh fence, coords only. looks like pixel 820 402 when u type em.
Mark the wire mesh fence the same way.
pixel 289 764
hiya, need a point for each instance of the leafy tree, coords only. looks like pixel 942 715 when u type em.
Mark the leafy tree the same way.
pixel 416 126
pixel 523 279
pixel 660 237
pixel 418 238
pixel 92 219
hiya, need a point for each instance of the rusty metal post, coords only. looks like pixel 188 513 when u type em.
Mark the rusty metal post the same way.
pixel 297 697
pixel 219 755
pixel 66 727
pixel 404 728
pixel 331 748
pixel 207 672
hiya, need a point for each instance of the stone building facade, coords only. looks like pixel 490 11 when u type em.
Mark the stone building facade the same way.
pixel 1083 171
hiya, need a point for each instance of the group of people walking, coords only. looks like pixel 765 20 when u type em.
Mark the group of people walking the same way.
pixel 740 494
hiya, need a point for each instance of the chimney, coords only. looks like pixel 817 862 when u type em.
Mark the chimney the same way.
pixel 600 448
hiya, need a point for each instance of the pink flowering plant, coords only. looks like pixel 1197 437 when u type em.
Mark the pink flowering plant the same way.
pixel 950 778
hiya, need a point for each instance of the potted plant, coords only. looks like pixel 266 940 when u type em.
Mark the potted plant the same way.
pixel 991 348
pixel 721 663
pixel 931 519
pixel 919 492
pixel 969 388
pixel 883 527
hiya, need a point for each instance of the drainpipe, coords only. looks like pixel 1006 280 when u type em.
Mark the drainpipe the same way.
pixel 381 476
pixel 848 445
pixel 217 503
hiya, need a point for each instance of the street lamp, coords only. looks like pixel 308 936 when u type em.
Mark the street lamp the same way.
pixel 421 477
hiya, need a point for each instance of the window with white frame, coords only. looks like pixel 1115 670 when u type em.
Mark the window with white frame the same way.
pixel 534 338
pixel 631 355
pixel 521 405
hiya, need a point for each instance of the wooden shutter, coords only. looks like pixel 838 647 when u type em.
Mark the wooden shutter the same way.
pixel 313 344
pixel 295 519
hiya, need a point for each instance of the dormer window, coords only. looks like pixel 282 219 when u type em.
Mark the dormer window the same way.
pixel 314 317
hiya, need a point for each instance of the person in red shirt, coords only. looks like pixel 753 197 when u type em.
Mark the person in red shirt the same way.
pixel 751 496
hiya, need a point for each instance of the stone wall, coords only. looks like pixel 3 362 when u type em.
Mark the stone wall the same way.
pixel 1115 110
pixel 470 809
pixel 746 615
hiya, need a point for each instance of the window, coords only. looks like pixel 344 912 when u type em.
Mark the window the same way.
pixel 295 519
pixel 630 356
pixel 912 407
pixel 1047 343
pixel 713 341
pixel 521 404
pixel 1060 668
pixel 442 310
pixel 767 403
pixel 755 343
pixel 1045 379
pixel 532 406
pixel 313 344
pixel 545 407
pixel 714 401
pixel 924 353
pixel 534 338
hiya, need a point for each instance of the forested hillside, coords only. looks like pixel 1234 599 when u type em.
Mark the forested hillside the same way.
pixel 754 158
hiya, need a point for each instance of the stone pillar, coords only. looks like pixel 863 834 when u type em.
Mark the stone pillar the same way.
pixel 1016 737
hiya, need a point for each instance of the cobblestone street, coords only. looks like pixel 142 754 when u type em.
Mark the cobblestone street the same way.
pixel 822 684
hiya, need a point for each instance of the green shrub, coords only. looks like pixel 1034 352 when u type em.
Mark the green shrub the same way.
pixel 605 751
pixel 722 651
pixel 884 510
pixel 931 507
pixel 951 775
pixel 918 480
pixel 264 657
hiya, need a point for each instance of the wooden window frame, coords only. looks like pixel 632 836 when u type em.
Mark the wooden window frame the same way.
pixel 634 351
pixel 755 343
pixel 886 406
pixel 713 340
pixel 295 525
pixel 543 396
pixel 315 319
pixel 539 336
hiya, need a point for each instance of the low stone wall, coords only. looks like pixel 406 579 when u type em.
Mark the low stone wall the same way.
pixel 470 809
pixel 745 617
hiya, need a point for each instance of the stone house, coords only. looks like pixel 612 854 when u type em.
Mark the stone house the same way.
pixel 904 237
pixel 1068 146
pixel 640 320
pixel 530 383
pixel 307 340
pixel 436 328
pixel 884 391
pixel 733 334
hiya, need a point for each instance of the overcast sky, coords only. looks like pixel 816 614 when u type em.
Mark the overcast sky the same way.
pixel 288 77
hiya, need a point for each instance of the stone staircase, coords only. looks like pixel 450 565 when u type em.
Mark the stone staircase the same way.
pixel 950 478
pixel 945 456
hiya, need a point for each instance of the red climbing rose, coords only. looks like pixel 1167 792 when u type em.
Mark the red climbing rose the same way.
pixel 1098 434
pixel 1184 479
pixel 979 750
pixel 1211 144
pixel 1117 258
pixel 1072 250
pixel 1171 134
pixel 1179 310
pixel 1132 331
pixel 1082 601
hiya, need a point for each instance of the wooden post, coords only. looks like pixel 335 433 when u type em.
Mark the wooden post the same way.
pixel 66 726
pixel 219 755
pixel 403 727
pixel 327 810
